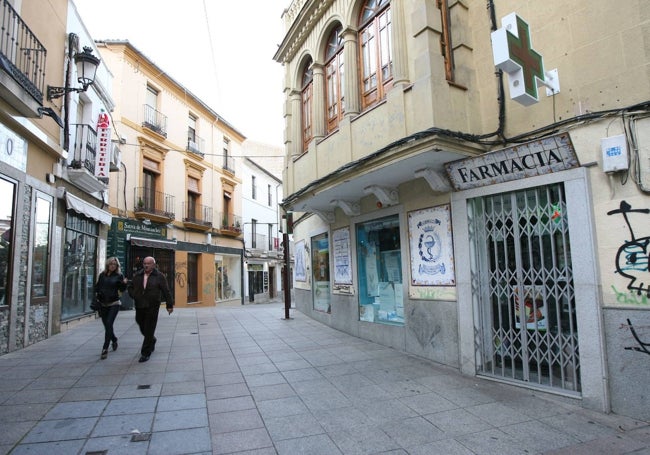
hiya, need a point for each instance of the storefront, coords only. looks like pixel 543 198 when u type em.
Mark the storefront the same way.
pixel 228 276
pixel 528 297
pixel 197 273
pixel 132 240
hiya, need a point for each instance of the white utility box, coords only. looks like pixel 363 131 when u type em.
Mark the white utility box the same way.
pixel 614 153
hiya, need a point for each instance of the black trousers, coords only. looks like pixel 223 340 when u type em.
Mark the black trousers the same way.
pixel 108 314
pixel 147 319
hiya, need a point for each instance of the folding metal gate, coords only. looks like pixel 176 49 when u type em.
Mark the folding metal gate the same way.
pixel 523 286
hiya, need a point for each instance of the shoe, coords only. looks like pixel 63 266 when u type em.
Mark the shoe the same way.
pixel 114 345
pixel 143 358
pixel 104 354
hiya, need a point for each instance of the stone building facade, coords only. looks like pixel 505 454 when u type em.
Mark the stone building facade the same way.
pixel 470 185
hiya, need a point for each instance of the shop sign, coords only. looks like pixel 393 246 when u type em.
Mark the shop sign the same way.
pixel 543 156
pixel 514 54
pixel 138 228
pixel 103 146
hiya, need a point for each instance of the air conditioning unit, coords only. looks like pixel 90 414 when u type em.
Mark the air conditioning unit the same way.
pixel 116 158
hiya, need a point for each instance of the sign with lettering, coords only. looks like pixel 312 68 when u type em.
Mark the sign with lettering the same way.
pixel 102 159
pixel 543 156
pixel 342 258
pixel 514 54
pixel 121 227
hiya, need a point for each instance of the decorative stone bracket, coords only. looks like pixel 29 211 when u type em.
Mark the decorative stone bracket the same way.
pixel 326 216
pixel 387 196
pixel 349 208
pixel 436 180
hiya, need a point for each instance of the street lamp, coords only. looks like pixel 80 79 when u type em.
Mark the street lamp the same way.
pixel 87 65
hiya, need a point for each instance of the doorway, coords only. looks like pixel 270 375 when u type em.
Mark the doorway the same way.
pixel 523 282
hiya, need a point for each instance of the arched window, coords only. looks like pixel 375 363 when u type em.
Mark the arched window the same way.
pixel 375 51
pixel 307 101
pixel 334 73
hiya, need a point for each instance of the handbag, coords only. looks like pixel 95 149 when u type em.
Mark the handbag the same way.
pixel 96 305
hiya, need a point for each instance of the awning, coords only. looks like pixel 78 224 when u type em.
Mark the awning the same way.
pixel 83 207
pixel 153 243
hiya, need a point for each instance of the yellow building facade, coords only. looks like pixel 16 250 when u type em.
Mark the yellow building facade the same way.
pixel 53 174
pixel 470 185
pixel 178 195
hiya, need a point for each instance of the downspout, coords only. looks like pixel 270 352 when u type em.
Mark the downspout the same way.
pixel 73 42
pixel 501 90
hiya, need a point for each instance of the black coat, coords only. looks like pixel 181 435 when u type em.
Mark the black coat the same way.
pixel 157 290
pixel 108 287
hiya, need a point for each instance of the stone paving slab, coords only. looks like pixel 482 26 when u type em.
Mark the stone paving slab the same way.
pixel 242 379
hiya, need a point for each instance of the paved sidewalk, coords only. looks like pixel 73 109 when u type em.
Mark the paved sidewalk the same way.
pixel 244 380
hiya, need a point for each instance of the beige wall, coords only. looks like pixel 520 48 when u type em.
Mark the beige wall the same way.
pixel 598 47
pixel 132 74
pixel 602 52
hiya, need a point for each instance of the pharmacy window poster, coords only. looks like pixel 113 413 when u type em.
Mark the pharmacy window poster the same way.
pixel 342 259
pixel 300 268
pixel 432 256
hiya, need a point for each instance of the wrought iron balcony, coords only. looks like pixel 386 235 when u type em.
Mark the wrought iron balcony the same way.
pixel 256 241
pixel 229 164
pixel 22 62
pixel 154 205
pixel 84 147
pixel 195 144
pixel 82 161
pixel 230 224
pixel 154 120
pixel 197 216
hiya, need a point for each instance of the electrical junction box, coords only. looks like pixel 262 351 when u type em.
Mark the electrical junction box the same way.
pixel 614 153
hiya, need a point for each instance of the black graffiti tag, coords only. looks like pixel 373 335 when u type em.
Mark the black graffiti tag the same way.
pixel 642 347
pixel 632 258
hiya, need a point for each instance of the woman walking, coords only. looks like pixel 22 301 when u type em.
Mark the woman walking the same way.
pixel 107 291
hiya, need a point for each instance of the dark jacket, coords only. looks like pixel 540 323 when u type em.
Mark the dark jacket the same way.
pixel 107 287
pixel 157 290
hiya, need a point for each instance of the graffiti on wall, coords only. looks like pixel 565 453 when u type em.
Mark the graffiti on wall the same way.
pixel 208 283
pixel 180 276
pixel 641 345
pixel 630 298
pixel 632 255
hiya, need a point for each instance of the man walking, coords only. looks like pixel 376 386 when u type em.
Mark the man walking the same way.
pixel 148 289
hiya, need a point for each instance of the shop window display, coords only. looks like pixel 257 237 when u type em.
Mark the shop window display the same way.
pixel 321 270
pixel 379 265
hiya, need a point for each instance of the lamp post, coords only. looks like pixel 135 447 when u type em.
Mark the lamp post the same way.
pixel 287 229
pixel 87 65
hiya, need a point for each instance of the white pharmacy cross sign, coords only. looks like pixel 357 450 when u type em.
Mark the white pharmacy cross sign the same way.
pixel 514 54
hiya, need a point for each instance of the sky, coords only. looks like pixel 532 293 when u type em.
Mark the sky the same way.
pixel 220 50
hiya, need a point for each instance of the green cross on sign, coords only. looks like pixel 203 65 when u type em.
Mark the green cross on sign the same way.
pixel 530 61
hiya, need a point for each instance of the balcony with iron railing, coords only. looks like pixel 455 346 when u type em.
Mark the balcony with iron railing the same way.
pixel 82 159
pixel 231 224
pixel 155 121
pixel 22 63
pixel 259 245
pixel 195 144
pixel 229 164
pixel 153 205
pixel 84 147
pixel 255 241
pixel 197 216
